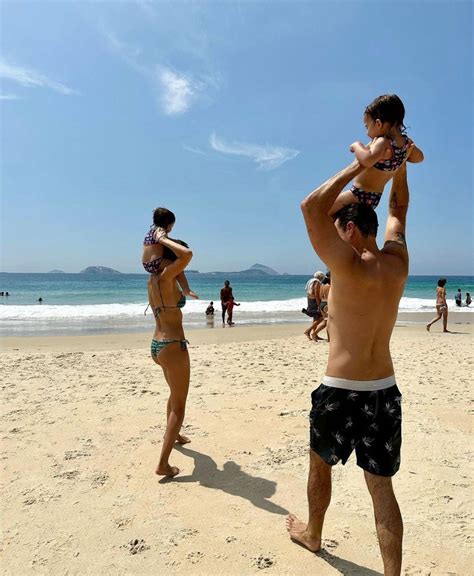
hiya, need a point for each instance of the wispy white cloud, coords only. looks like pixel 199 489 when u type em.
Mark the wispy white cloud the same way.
pixel 125 50
pixel 32 79
pixel 266 157
pixel 177 91
pixel 194 150
pixel 4 96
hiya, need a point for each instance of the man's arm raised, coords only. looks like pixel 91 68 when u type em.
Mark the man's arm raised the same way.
pixel 321 230
pixel 395 240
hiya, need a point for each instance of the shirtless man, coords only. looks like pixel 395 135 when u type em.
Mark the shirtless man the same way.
pixel 358 404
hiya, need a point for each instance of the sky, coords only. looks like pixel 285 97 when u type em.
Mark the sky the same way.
pixel 229 114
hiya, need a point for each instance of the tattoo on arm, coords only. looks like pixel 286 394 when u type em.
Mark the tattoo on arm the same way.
pixel 400 238
pixel 393 202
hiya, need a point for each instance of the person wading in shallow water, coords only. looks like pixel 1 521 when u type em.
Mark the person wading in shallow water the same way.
pixel 358 405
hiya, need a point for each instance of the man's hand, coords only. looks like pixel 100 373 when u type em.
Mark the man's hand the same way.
pixel 353 147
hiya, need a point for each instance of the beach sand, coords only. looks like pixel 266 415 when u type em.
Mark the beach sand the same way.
pixel 83 419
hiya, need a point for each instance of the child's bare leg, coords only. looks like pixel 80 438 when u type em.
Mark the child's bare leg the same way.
pixel 344 198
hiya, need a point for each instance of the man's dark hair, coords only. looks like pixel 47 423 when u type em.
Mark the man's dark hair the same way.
pixel 226 283
pixel 363 216
pixel 442 282
pixel 168 254
pixel 162 217
pixel 387 108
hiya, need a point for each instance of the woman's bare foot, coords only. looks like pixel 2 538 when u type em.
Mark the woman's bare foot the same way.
pixel 316 338
pixel 297 531
pixel 428 327
pixel 307 334
pixel 166 470
pixel 182 439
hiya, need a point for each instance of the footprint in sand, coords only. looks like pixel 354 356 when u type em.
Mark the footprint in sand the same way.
pixel 263 562
pixel 136 546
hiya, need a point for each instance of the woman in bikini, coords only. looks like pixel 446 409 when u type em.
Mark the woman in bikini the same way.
pixel 169 345
pixel 441 306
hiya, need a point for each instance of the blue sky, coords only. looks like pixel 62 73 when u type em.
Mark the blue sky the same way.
pixel 227 113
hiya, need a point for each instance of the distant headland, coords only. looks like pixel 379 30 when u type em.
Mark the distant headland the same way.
pixel 99 270
pixel 255 270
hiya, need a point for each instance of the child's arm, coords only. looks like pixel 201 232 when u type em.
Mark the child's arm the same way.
pixel 367 156
pixel 183 282
pixel 416 155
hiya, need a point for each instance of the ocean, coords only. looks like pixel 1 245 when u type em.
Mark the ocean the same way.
pixel 88 303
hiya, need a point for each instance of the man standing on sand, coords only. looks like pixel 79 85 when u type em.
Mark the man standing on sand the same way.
pixel 358 406
pixel 226 295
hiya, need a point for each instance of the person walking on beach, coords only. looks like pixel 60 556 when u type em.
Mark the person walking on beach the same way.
pixel 323 306
pixel 226 296
pixel 169 346
pixel 458 298
pixel 441 306
pixel 313 287
pixel 358 405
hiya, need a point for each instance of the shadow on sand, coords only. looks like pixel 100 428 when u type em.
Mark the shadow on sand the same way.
pixel 346 567
pixel 231 479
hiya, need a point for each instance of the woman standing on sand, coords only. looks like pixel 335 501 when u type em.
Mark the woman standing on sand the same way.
pixel 441 306
pixel 169 345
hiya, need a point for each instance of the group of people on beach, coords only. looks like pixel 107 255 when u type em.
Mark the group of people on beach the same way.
pixel 358 405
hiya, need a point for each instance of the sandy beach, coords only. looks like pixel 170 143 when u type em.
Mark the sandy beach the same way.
pixel 82 424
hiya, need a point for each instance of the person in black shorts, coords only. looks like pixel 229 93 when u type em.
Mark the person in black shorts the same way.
pixel 357 408
pixel 367 421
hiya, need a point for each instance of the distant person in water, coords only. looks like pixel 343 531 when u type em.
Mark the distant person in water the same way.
pixel 226 296
pixel 163 221
pixel 468 299
pixel 210 314
pixel 230 307
pixel 40 300
pixel 441 306
pixel 458 298
pixel 210 309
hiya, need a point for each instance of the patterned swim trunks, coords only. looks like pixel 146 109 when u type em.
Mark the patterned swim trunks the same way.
pixel 368 422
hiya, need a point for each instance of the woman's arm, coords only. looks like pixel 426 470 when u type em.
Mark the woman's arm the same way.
pixel 183 255
pixel 367 156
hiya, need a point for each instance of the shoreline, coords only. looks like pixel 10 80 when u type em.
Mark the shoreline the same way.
pixel 197 337
pixel 268 322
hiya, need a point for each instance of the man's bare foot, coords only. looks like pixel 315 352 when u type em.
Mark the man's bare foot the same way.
pixel 428 327
pixel 166 470
pixel 316 338
pixel 182 439
pixel 447 331
pixel 307 334
pixel 297 531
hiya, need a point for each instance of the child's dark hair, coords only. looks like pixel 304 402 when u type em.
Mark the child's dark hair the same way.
pixel 168 254
pixel 387 108
pixel 363 216
pixel 442 282
pixel 162 217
